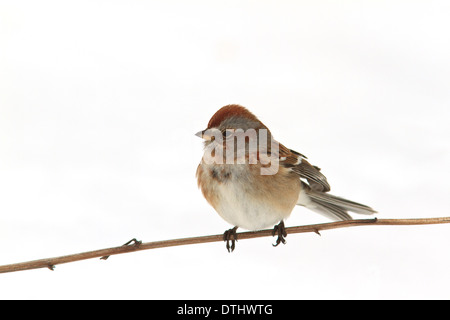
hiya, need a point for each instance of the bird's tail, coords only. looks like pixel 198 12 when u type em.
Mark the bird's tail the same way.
pixel 333 207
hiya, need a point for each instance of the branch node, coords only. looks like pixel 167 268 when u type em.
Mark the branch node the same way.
pixel 51 267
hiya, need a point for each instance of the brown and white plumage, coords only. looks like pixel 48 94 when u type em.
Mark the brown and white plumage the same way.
pixel 245 198
pixel 313 194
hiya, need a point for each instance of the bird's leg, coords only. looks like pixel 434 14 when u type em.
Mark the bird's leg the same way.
pixel 230 235
pixel 280 230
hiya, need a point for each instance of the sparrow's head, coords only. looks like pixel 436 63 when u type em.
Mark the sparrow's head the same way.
pixel 229 119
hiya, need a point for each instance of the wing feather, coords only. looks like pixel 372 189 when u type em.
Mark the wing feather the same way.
pixel 298 164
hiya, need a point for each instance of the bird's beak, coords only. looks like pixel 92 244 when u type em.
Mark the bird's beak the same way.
pixel 202 134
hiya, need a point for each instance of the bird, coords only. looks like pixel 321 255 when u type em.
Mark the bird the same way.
pixel 254 182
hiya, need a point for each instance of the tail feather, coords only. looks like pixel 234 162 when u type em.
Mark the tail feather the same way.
pixel 333 207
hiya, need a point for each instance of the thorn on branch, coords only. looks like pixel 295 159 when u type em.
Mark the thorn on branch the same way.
pixel 132 242
pixel 51 267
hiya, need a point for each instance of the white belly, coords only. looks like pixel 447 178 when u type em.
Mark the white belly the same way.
pixel 239 208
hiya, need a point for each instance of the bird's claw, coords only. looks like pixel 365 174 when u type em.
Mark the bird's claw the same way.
pixel 279 230
pixel 230 236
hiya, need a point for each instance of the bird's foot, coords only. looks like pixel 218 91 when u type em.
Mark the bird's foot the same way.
pixel 280 230
pixel 230 236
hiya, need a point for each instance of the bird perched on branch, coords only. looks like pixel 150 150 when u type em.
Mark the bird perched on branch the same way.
pixel 254 182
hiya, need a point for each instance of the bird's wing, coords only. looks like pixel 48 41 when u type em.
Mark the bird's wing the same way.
pixel 298 164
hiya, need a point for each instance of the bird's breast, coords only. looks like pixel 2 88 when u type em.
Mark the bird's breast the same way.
pixel 245 199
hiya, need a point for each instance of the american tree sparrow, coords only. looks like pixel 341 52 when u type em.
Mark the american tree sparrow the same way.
pixel 254 182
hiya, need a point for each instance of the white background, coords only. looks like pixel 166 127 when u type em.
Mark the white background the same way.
pixel 99 103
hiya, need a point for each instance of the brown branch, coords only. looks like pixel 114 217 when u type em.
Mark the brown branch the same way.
pixel 135 245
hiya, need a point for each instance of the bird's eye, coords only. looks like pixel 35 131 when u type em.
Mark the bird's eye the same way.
pixel 227 133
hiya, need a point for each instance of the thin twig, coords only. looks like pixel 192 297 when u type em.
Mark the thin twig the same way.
pixel 135 245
